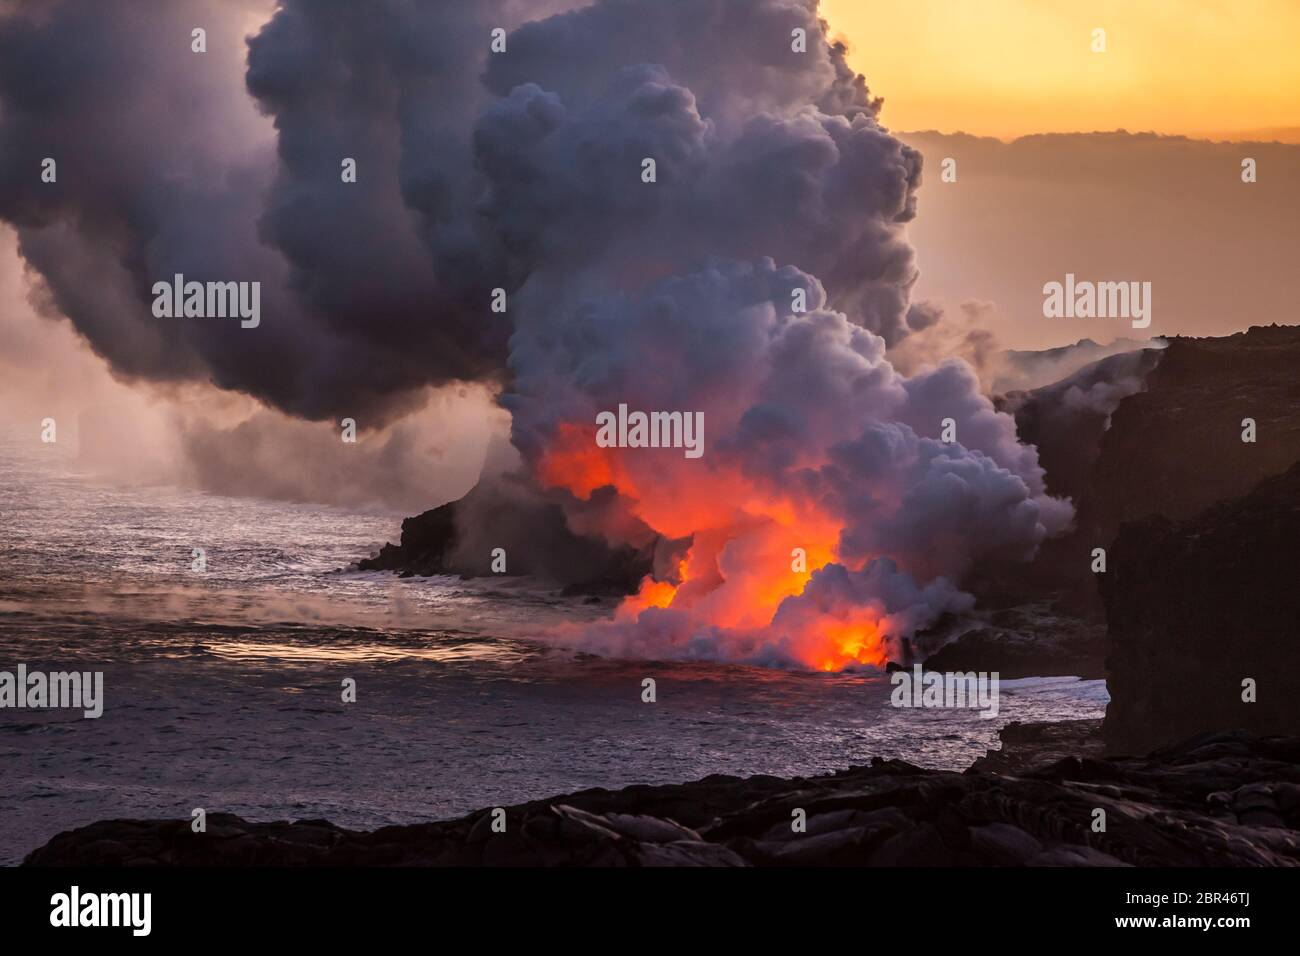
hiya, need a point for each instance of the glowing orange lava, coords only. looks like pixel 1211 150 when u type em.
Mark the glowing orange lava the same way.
pixel 742 562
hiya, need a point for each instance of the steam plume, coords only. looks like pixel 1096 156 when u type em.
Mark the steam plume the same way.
pixel 775 182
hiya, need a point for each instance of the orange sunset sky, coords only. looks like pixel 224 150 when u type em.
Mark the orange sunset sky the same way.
pixel 1219 69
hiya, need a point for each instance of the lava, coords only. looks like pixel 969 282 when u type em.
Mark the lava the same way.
pixel 751 547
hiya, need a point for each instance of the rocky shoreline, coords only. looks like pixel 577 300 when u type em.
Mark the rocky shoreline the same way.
pixel 1224 799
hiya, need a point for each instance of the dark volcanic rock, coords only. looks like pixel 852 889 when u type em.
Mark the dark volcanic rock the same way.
pixel 506 512
pixel 1226 799
pixel 1194 608
pixel 1066 420
pixel 426 540
pixel 1173 448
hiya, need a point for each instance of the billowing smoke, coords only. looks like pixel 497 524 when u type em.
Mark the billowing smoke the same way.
pixel 377 288
pixel 827 517
pixel 965 334
pixel 757 280
pixel 371 290
pixel 687 212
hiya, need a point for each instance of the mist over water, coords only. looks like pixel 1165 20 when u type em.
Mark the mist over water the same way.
pixel 222 689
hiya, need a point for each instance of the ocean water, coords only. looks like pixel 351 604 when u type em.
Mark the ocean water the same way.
pixel 223 688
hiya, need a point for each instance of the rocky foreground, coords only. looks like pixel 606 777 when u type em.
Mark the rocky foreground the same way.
pixel 1221 799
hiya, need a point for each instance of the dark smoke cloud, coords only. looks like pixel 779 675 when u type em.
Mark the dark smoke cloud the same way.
pixel 140 172
pixel 734 55
pixel 749 167
pixel 393 267
pixel 473 172
pixel 798 407
pixel 523 170
pixel 783 391
pixel 370 291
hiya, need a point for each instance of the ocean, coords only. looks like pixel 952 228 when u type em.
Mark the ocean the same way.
pixel 223 687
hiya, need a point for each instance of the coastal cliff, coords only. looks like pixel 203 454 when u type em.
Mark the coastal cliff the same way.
pixel 1198 608
pixel 1176 447
pixel 1152 433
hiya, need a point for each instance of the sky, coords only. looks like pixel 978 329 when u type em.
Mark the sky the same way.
pixel 1006 68
pixel 1012 91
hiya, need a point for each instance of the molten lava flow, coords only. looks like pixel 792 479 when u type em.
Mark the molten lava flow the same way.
pixel 576 463
pixel 741 563
pixel 652 593
pixel 851 641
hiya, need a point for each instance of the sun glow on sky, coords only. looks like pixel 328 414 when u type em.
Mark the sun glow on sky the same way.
pixel 1219 69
